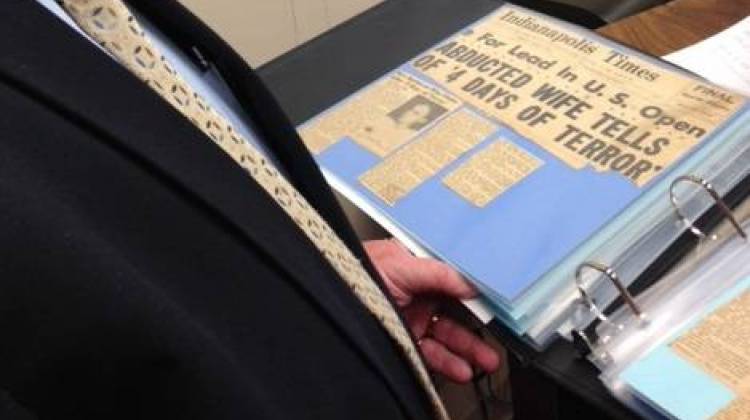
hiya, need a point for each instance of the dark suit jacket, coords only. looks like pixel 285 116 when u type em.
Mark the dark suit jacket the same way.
pixel 143 274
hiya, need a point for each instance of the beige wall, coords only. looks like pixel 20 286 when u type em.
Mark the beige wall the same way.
pixel 263 29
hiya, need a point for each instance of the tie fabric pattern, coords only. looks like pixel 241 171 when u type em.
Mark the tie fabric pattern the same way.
pixel 113 26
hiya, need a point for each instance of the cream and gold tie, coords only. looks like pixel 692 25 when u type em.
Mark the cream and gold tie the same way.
pixel 110 23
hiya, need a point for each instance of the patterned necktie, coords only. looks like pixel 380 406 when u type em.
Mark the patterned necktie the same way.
pixel 110 23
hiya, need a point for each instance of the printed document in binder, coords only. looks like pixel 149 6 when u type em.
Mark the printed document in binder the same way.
pixel 521 147
pixel 723 58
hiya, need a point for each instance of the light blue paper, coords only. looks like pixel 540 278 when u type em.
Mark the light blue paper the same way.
pixel 674 385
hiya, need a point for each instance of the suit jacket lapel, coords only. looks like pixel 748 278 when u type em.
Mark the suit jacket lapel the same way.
pixel 59 67
pixel 193 36
pixel 270 121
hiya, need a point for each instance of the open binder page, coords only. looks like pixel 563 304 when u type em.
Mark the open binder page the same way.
pixel 509 146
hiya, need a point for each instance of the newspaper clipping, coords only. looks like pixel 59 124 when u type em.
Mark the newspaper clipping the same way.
pixel 583 101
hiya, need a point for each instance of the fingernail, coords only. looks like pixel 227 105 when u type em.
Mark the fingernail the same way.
pixel 466 373
pixel 492 361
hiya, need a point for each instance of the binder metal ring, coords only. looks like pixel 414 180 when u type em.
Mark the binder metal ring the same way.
pixel 716 197
pixel 587 345
pixel 612 276
pixel 590 303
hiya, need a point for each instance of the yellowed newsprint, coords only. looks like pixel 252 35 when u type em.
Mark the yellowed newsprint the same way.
pixel 720 346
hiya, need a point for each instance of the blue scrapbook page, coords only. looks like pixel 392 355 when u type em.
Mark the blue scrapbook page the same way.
pixel 510 242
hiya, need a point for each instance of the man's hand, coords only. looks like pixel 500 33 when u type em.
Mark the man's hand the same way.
pixel 418 285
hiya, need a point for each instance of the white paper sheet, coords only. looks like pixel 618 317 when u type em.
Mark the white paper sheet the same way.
pixel 723 59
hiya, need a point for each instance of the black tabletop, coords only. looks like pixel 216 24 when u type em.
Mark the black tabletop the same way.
pixel 315 76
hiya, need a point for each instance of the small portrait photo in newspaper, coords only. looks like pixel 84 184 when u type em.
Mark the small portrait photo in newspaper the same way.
pixel 416 113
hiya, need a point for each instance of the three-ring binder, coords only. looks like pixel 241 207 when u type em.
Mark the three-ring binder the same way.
pixel 594 308
pixel 615 279
pixel 580 335
pixel 714 195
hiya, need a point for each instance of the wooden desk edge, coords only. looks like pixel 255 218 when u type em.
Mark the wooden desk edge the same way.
pixel 675 25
